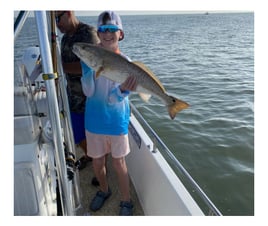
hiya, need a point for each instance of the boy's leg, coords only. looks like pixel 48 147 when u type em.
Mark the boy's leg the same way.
pixel 99 168
pixel 120 167
pixel 104 192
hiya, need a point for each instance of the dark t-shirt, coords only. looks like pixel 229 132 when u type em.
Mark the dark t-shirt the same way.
pixel 84 33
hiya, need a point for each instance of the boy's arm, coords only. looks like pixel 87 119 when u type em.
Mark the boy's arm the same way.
pixel 87 80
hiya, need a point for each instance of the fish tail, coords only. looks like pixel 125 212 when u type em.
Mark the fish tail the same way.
pixel 175 106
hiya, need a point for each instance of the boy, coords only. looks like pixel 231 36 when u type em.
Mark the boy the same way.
pixel 107 117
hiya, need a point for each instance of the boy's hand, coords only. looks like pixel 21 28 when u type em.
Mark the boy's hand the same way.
pixel 130 84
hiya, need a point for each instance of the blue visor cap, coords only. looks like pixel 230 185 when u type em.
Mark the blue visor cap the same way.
pixel 108 27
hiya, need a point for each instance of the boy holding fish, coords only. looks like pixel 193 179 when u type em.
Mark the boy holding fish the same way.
pixel 107 117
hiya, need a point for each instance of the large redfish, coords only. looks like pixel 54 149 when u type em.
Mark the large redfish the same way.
pixel 117 68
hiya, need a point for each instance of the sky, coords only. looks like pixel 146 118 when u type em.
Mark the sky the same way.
pixel 137 6
pixel 148 12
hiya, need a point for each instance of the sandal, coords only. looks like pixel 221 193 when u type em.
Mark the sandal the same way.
pixel 126 208
pixel 99 199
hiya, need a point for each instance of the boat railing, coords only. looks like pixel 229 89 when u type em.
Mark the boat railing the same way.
pixel 159 144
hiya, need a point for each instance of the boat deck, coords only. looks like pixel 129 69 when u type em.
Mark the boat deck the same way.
pixel 111 206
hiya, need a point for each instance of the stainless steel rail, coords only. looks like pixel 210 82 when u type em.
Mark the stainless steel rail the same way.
pixel 54 116
pixel 67 125
pixel 176 162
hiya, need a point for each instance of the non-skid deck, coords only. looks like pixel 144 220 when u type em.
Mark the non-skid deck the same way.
pixel 88 191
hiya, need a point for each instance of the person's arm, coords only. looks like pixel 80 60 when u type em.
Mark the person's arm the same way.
pixel 87 80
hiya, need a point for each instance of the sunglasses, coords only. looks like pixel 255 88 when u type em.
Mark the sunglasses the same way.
pixel 57 18
pixel 105 29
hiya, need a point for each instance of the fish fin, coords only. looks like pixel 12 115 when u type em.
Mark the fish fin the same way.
pixel 99 72
pixel 145 96
pixel 149 72
pixel 176 106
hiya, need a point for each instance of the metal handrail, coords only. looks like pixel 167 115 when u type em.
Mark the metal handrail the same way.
pixel 68 130
pixel 176 162
pixel 41 22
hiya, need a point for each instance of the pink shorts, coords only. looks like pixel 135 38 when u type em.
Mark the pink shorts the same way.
pixel 99 145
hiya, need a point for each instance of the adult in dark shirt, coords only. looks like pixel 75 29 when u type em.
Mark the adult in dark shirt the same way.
pixel 75 31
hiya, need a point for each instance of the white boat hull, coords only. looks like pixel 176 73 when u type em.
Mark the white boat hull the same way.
pixel 158 188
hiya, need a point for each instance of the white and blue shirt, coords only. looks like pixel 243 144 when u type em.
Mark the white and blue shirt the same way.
pixel 107 108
